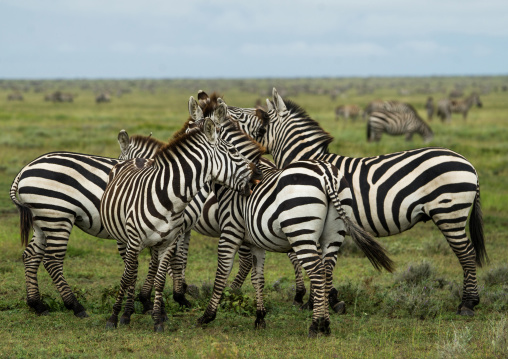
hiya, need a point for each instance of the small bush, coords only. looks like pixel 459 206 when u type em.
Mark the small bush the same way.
pixel 495 299
pixel 416 273
pixel 238 303
pixel 457 347
pixel 497 275
pixel 500 339
pixel 416 301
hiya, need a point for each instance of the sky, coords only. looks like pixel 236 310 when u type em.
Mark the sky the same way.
pixel 45 39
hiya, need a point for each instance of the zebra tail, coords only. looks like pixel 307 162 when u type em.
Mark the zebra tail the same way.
pixel 476 231
pixel 376 254
pixel 25 214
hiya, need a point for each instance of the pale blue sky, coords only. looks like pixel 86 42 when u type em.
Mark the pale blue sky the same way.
pixel 251 39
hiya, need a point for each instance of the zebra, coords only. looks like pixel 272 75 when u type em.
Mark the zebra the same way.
pixel 54 193
pixel 393 192
pixel 430 108
pixel 391 106
pixel 397 123
pixel 103 97
pixel 446 107
pixel 347 111
pixel 276 218
pixel 144 200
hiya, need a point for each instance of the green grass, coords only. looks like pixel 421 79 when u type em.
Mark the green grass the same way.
pixel 388 315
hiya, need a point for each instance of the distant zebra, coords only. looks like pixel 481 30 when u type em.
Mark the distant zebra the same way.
pixel 144 201
pixel 446 107
pixel 391 106
pixel 393 192
pixel 299 208
pixel 430 108
pixel 347 111
pixel 397 123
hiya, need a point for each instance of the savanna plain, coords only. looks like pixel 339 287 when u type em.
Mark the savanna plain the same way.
pixel 407 314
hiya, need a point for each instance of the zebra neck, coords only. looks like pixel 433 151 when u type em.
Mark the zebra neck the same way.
pixel 183 175
pixel 301 149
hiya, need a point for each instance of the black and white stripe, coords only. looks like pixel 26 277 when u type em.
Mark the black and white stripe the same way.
pixel 144 201
pixel 395 191
pixel 397 123
pixel 276 218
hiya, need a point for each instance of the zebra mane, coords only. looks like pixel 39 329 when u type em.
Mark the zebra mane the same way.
pixel 146 140
pixel 295 109
pixel 179 137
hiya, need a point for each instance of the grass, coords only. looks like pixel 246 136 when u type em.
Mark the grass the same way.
pixel 408 314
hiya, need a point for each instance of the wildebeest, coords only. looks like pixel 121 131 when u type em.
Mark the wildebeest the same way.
pixel 59 96
pixel 446 107
pixel 347 111
pixel 103 97
pixel 15 97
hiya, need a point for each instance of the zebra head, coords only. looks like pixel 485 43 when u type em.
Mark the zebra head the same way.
pixel 234 154
pixel 252 121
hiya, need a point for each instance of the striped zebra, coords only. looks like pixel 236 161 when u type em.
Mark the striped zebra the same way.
pixel 446 107
pixel 393 192
pixel 347 111
pixel 145 199
pixel 276 218
pixel 390 106
pixel 397 123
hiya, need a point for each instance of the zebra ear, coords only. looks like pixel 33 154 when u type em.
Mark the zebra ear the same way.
pixel 203 98
pixel 209 130
pixel 221 111
pixel 278 102
pixel 269 105
pixel 123 140
pixel 195 111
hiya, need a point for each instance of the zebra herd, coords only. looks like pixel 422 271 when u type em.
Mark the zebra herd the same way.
pixel 399 118
pixel 211 178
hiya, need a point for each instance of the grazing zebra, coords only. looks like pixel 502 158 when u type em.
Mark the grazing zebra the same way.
pixel 145 199
pixel 446 107
pixel 305 206
pixel 430 108
pixel 103 97
pixel 15 97
pixel 397 123
pixel 393 192
pixel 390 106
pixel 347 111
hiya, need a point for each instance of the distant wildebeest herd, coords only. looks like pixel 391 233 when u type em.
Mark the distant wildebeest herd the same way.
pixel 399 118
pixel 211 177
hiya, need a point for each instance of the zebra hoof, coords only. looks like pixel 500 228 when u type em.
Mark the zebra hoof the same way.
pixel 44 313
pixel 465 311
pixel 125 320
pixel 260 324
pixel 158 328
pixel 307 306
pixel 81 314
pixel 340 308
pixel 110 325
pixel 148 312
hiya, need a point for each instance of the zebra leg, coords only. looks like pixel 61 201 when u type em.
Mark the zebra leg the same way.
pixel 128 280
pixel 145 295
pixel 176 263
pixel 57 237
pixel 245 264
pixel 455 234
pixel 300 285
pixel 184 254
pixel 159 313
pixel 32 258
pixel 228 246
pixel 311 262
pixel 129 306
pixel 258 281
